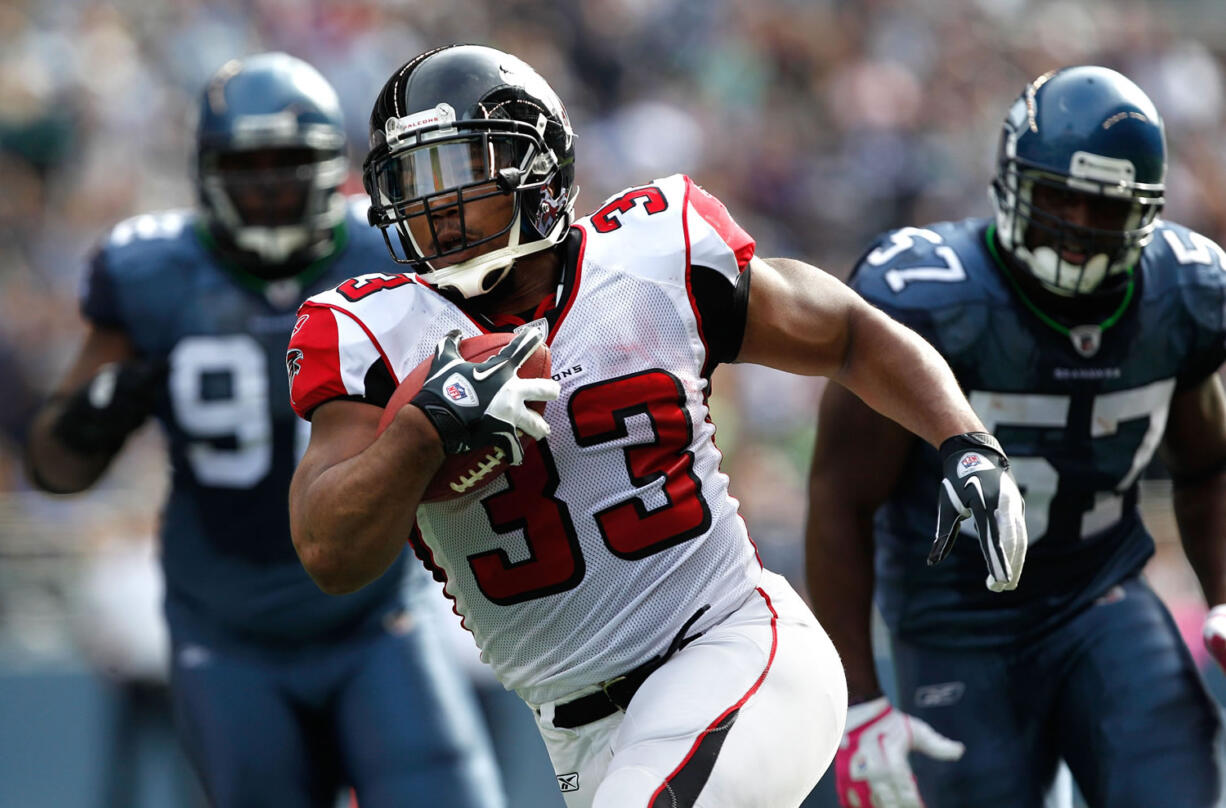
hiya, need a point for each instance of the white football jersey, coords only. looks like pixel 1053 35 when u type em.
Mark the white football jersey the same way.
pixel 587 559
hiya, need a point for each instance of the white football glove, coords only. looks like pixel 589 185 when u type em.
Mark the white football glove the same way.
pixel 977 484
pixel 871 766
pixel 1215 634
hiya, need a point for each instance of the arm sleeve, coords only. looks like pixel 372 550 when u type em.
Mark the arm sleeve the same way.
pixel 722 308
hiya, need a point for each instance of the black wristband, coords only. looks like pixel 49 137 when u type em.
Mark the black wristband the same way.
pixel 971 441
pixel 82 431
pixel 449 428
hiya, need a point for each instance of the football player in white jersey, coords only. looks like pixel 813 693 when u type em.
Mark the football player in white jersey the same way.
pixel 606 576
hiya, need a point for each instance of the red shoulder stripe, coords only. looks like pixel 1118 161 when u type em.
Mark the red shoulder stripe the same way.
pixel 715 214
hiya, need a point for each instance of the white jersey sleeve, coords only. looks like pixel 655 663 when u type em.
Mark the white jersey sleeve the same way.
pixel 358 340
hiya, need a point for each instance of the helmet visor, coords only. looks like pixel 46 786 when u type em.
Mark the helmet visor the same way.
pixel 439 167
pixel 446 197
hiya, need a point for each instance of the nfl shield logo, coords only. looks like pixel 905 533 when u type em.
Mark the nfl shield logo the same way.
pixel 460 391
pixel 1086 339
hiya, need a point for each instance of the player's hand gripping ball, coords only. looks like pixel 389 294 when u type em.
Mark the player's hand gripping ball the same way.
pixel 483 394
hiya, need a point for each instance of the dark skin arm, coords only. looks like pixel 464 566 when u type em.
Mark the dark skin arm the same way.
pixel 53 466
pixel 354 495
pixel 1194 449
pixel 888 385
pixel 843 496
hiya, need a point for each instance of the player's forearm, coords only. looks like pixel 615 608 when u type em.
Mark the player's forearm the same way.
pixel 1200 510
pixel 897 373
pixel 54 467
pixel 839 576
pixel 350 520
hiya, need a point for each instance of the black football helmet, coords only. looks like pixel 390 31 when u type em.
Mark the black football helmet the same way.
pixel 271 159
pixel 460 124
pixel 1081 138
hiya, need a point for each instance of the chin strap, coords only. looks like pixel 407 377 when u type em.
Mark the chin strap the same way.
pixel 468 277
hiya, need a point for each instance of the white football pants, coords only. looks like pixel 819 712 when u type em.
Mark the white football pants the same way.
pixel 748 715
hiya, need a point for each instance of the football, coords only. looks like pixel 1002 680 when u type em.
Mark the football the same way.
pixel 464 473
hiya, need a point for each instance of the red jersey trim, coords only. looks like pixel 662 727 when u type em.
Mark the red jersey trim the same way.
pixel 573 291
pixel 718 724
pixel 715 214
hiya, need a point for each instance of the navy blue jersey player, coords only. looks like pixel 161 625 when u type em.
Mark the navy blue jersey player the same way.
pixel 282 694
pixel 1086 332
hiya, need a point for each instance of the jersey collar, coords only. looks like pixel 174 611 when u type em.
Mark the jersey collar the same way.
pixel 553 307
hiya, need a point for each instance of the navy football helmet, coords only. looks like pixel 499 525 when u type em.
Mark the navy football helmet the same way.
pixel 1080 180
pixel 271 158
pixel 457 125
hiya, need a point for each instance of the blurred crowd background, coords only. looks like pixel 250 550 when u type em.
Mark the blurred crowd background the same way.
pixel 817 122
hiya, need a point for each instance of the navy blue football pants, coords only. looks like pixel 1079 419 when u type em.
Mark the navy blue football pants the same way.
pixel 1113 692
pixel 382 713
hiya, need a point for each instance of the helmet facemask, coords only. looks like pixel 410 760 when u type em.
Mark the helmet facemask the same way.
pixel 434 184
pixel 1065 257
pixel 275 202
pixel 271 158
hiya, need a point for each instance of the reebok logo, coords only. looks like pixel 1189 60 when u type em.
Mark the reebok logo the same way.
pixel 568 782
pixel 944 694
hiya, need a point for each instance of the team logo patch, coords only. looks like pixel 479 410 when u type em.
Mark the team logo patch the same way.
pixel 568 782
pixel 1087 339
pixel 972 462
pixel 458 389
pixel 293 363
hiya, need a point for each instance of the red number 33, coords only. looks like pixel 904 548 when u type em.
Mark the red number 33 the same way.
pixel 598 413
